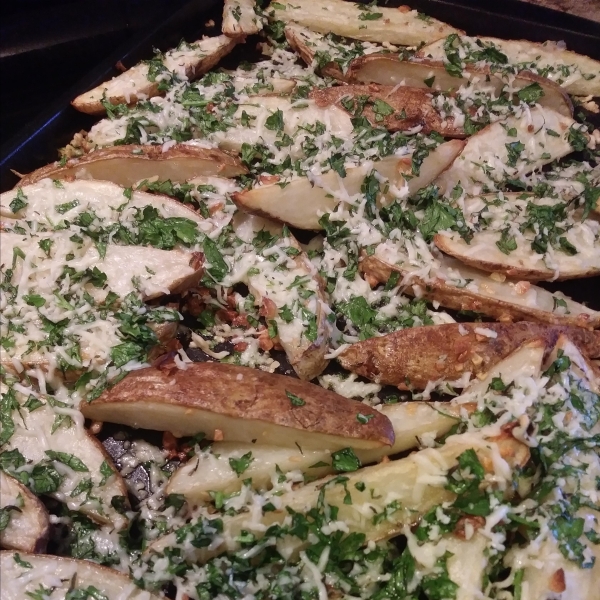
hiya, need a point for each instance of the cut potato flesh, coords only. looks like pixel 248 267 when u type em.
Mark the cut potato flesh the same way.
pixel 388 69
pixel 412 358
pixel 127 165
pixel 272 287
pixel 577 74
pixel 580 366
pixel 210 471
pixel 152 271
pixel 412 107
pixel 24 578
pixel 45 202
pixel 403 490
pixel 239 18
pixel 239 404
pixel 482 252
pixel 135 83
pixel 303 201
pixel 293 115
pixel 461 287
pixel 542 136
pixel 37 433
pixel 28 525
pixel 372 24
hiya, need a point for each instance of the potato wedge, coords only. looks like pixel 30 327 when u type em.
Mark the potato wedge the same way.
pixel 152 271
pixel 60 442
pixel 210 471
pixel 303 201
pixel 239 404
pixel 140 82
pixel 411 358
pixel 403 490
pixel 523 263
pixel 127 165
pixel 373 24
pixel 580 365
pixel 460 287
pixel 306 44
pixel 412 107
pixel 389 69
pixel 577 74
pixel 484 159
pixel 22 579
pixel 28 523
pixel 45 202
pixel 293 115
pixel 239 18
pixel 275 291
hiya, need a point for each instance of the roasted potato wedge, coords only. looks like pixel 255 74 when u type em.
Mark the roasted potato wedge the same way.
pixel 577 74
pixel 240 19
pixel 501 298
pixel 45 202
pixel 127 165
pixel 482 252
pixel 210 471
pixel 74 455
pixel 302 202
pixel 485 158
pixel 24 575
pixel 412 108
pixel 239 404
pixel 415 483
pixel 272 292
pixel 140 82
pixel 411 358
pixel 389 69
pixel 28 523
pixel 127 268
pixel 373 24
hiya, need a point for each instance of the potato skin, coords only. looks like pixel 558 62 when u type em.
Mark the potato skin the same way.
pixel 456 298
pixel 248 395
pixel 415 104
pixel 411 358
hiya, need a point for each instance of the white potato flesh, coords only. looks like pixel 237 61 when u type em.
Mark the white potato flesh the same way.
pixel 411 485
pixel 134 84
pixel 461 287
pixel 303 201
pixel 240 19
pixel 33 437
pixel 104 198
pixel 484 159
pixel 127 165
pixel 210 471
pixel 27 529
pixel 152 271
pixel 294 115
pixel 373 24
pixel 577 74
pixel 523 362
pixel 482 252
pixel 62 575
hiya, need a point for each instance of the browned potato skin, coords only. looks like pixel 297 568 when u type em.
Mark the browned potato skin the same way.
pixel 415 102
pixel 125 165
pixel 462 299
pixel 246 394
pixel 36 538
pixel 411 358
pixel 307 54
